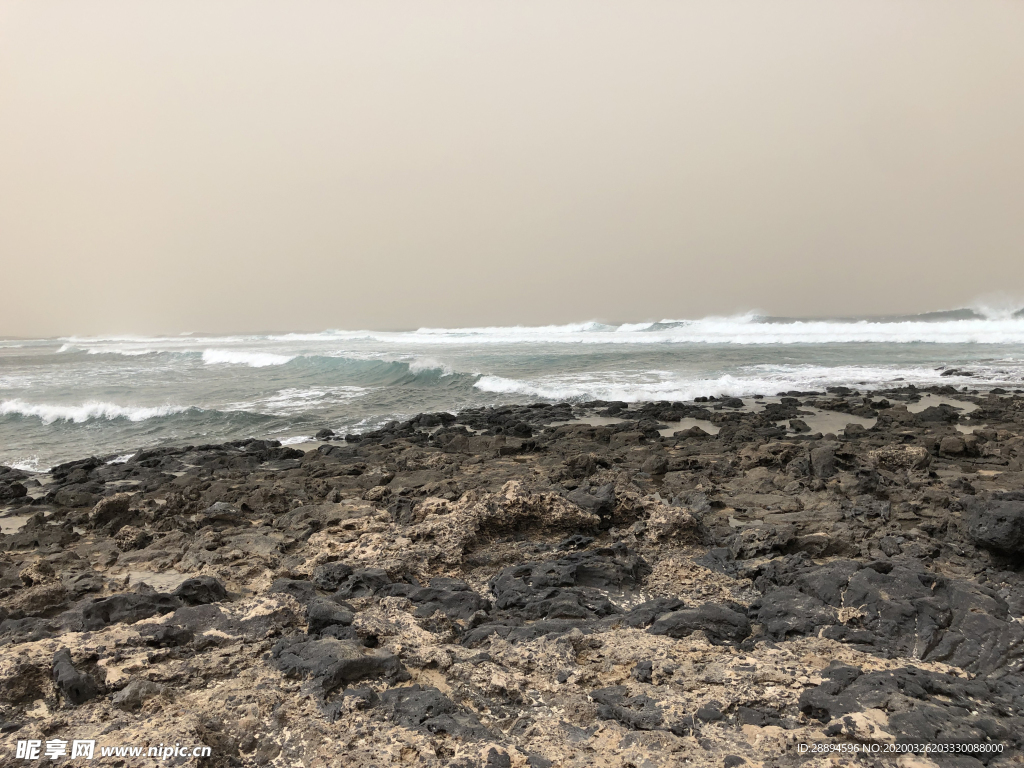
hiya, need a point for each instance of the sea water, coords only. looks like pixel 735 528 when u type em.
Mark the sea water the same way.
pixel 64 399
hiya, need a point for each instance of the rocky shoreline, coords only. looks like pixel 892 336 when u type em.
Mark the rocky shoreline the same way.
pixel 713 583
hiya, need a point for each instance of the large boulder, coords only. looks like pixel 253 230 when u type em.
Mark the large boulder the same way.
pixel 823 462
pixel 201 590
pixel 322 613
pixel 996 524
pixel 9 491
pixel 900 457
pixel 75 497
pixel 111 511
pixel 941 413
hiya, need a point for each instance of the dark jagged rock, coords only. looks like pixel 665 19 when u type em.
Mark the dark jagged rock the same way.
pixel 788 611
pixel 997 523
pixel 573 587
pixel 920 705
pixel 133 696
pixel 11 490
pixel 200 590
pixel 562 593
pixel 427 709
pixel 333 664
pixel 77 687
pixel 322 613
pixel 645 613
pixel 37 534
pixel 330 576
pixel 129 538
pixel 303 591
pixel 903 610
pixel 720 623
pixel 363 583
pixel 823 462
pixel 219 514
pixel 113 512
pixel 169 636
pixel 127 607
pixel 600 501
pixel 451 597
pixel 939 413
pixel 637 712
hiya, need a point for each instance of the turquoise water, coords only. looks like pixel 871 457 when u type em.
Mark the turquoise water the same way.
pixel 63 399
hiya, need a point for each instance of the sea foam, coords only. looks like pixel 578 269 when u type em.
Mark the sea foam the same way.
pixel 746 329
pixel 294 400
pixel 241 357
pixel 424 364
pixel 49 413
pixel 760 379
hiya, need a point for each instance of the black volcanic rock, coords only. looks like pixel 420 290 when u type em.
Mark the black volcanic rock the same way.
pixel 997 523
pixel 76 686
pixel 513 584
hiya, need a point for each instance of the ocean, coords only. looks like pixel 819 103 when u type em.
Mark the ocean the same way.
pixel 68 398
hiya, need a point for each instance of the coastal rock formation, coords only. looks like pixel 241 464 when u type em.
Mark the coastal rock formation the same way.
pixel 518 586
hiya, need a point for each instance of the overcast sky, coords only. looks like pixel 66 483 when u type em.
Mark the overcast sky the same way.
pixel 244 166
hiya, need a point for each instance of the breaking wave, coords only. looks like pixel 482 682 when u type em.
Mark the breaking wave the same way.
pixel 105 396
pixel 428 364
pixel 753 380
pixel 49 413
pixel 294 400
pixel 966 326
pixel 746 329
pixel 239 357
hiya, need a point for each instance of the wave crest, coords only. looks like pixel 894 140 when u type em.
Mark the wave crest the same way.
pixel 295 400
pixel 633 387
pixel 239 357
pixel 49 413
pixel 425 364
pixel 955 327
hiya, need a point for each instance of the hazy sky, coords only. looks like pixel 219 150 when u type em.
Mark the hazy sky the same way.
pixel 243 166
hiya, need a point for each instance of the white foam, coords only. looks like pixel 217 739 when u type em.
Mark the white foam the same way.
pixel 127 352
pixel 421 364
pixel 998 306
pixel 123 459
pixel 49 413
pixel 294 400
pixel 27 465
pixel 997 325
pixel 240 357
pixel 633 327
pixel 613 388
pixel 122 348
pixel 746 329
pixel 751 380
